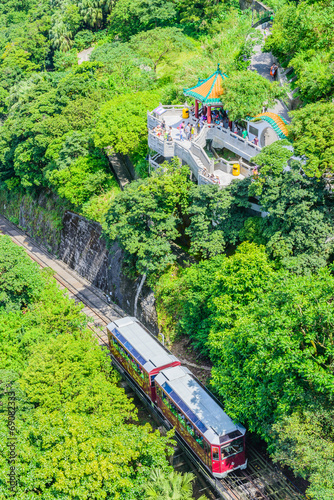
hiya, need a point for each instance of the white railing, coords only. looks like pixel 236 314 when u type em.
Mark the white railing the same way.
pixel 205 180
pixel 232 141
pixel 164 148
pixel 201 154
pixel 201 138
pixel 152 121
pixel 187 156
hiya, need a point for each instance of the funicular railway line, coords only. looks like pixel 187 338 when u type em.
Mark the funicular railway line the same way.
pixel 261 480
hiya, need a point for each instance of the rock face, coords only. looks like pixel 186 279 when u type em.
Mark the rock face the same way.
pixel 253 4
pixel 83 248
pixel 41 217
pixel 78 242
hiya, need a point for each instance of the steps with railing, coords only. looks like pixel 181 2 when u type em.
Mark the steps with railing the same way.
pixel 195 156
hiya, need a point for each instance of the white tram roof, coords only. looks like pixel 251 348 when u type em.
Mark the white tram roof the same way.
pixel 198 405
pixel 147 350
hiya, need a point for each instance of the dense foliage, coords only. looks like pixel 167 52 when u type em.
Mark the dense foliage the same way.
pixel 302 37
pixel 152 215
pixel 247 92
pixel 269 335
pixel 77 432
pixel 253 293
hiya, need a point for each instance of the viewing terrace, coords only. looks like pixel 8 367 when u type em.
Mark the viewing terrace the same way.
pixel 206 170
pixel 212 135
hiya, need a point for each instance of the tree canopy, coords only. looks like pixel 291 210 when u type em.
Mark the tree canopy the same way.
pixel 77 432
pixel 246 92
pixel 312 133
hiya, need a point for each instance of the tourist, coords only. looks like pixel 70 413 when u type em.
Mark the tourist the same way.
pixel 187 132
pixel 192 132
pixel 163 124
pixel 273 71
pixel 170 138
pixel 181 135
pixel 236 130
pixel 256 141
pixel 245 134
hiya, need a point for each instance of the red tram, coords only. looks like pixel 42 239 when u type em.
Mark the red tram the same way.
pixel 198 419
pixel 139 353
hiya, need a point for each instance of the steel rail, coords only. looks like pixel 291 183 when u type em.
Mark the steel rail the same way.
pixel 228 487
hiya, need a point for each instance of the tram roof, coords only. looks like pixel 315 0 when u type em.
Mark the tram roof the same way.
pixel 198 405
pixel 142 345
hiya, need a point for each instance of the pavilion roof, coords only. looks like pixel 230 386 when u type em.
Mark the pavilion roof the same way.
pixel 208 91
pixel 278 123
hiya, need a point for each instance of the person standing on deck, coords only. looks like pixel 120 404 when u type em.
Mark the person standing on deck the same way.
pixel 187 132
pixel 192 132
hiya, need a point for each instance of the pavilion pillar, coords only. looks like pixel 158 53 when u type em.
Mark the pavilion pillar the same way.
pixel 196 108
pixel 209 115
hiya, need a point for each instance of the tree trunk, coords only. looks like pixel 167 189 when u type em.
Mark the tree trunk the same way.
pixel 143 278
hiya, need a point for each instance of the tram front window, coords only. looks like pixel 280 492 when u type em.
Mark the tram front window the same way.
pixel 233 448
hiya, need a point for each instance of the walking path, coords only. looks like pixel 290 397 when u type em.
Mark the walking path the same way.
pixel 261 62
pixel 84 55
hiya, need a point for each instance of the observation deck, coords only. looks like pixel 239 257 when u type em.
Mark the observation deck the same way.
pixel 205 170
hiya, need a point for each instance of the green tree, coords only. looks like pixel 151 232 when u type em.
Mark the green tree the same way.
pixel 215 219
pixel 312 132
pixel 273 370
pixel 246 92
pixel 315 74
pixel 208 295
pixel 174 486
pixel 14 56
pixel 158 44
pixel 20 280
pixel 122 122
pixel 145 217
pixel 130 17
pixel 277 355
pixel 124 68
pixel 298 230
pixel 301 27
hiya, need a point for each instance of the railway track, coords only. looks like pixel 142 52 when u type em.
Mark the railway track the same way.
pixel 260 481
pixel 97 310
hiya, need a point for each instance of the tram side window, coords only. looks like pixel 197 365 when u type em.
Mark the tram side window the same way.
pixel 178 414
pixel 183 420
pixel 199 439
pixel 137 368
pixel 190 428
pixel 206 448
pixel 237 446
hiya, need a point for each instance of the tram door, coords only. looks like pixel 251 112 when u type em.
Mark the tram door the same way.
pixel 215 459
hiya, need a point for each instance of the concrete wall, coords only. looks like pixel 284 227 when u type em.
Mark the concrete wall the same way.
pixel 79 243
pixel 41 217
pixel 256 5
pixel 84 249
